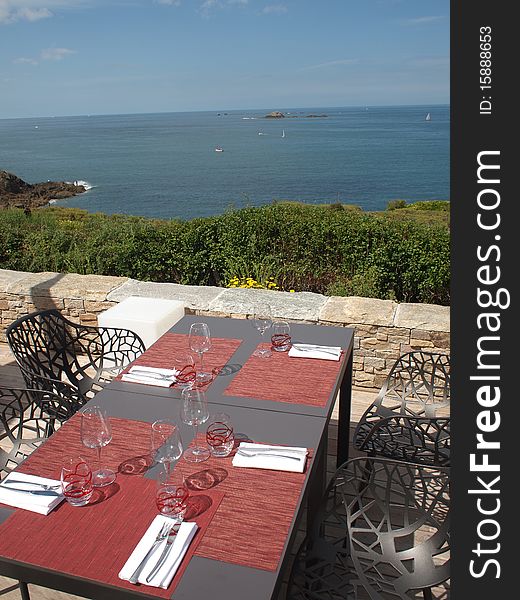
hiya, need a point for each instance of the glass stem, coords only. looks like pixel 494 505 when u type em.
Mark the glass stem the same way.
pixel 99 457
pixel 195 431
pixel 202 362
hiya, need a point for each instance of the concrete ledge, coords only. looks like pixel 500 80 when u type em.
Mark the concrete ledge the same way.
pixel 353 309
pixel 429 317
pixel 298 306
pixel 194 297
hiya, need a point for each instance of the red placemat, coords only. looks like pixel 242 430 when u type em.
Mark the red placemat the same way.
pixel 253 519
pixel 160 353
pixel 282 378
pixel 94 542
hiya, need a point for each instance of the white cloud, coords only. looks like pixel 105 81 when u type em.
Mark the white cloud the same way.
pixel 274 9
pixel 12 11
pixel 332 63
pixel 55 53
pixel 45 54
pixel 423 20
pixel 25 61
pixel 169 2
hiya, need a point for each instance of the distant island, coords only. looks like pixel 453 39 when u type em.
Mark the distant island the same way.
pixel 16 193
pixel 276 114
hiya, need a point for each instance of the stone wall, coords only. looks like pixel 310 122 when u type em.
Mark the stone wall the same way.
pixel 384 329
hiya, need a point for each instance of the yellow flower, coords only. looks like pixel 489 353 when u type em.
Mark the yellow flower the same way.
pixel 292 291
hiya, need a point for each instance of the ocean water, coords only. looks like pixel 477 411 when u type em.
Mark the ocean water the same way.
pixel 165 165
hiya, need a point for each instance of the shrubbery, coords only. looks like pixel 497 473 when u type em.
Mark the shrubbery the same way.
pixel 301 247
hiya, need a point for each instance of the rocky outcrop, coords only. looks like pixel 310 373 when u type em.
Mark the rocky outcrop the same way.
pixel 276 114
pixel 14 192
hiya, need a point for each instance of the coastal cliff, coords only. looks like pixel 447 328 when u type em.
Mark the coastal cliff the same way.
pixel 16 193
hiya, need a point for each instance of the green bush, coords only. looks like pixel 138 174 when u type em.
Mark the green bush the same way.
pixel 303 247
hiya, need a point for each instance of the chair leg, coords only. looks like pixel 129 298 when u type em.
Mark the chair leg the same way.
pixel 24 591
pixel 427 593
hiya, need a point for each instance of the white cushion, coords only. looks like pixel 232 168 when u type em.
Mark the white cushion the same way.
pixel 148 317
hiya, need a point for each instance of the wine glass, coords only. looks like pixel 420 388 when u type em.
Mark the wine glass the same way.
pixel 200 342
pixel 183 362
pixel 194 412
pixel 261 322
pixel 166 443
pixel 97 433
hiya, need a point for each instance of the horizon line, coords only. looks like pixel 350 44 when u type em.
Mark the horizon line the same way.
pixel 219 111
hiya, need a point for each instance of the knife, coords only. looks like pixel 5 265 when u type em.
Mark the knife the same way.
pixel 166 550
pixel 35 492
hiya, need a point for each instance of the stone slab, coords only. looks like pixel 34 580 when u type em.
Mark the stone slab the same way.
pixel 8 277
pixel 194 297
pixel 66 285
pixel 297 306
pixel 429 317
pixel 354 309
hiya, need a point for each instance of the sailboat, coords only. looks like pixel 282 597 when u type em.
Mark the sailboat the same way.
pixel 283 133
pixel 428 117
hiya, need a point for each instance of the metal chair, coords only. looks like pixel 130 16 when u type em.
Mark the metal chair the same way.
pixel 27 418
pixel 55 354
pixel 409 420
pixel 382 532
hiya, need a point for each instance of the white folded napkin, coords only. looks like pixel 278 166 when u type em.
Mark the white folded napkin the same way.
pixel 315 351
pixel 151 376
pixel 176 553
pixel 277 458
pixel 33 496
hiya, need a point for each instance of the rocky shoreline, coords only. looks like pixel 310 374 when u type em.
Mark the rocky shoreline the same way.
pixel 16 193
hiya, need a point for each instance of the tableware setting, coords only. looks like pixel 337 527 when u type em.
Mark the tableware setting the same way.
pixel 200 343
pixel 301 350
pixel 184 364
pixel 278 458
pixel 30 492
pixel 194 412
pixel 96 432
pixel 151 376
pixel 281 336
pixel 149 564
pixel 219 435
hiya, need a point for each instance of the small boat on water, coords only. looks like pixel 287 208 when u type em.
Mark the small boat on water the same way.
pixel 428 117
pixel 283 133
pixel 219 149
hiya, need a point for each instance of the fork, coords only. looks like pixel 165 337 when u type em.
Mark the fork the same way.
pixel 44 486
pixel 161 536
pixel 250 454
pixel 151 374
pixel 169 541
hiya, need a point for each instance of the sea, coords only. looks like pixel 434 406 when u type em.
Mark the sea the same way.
pixel 165 165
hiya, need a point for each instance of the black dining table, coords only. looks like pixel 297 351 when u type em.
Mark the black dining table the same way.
pixel 259 419
pixel 243 330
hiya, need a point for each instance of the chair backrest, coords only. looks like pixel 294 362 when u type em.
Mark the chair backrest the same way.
pixel 47 346
pixel 397 518
pixel 418 385
pixel 27 418
pixel 412 439
pixel 43 345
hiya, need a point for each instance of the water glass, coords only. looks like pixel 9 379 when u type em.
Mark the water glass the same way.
pixel 261 322
pixel 76 481
pixel 219 435
pixel 194 412
pixel 171 497
pixel 166 442
pixel 183 362
pixel 200 342
pixel 281 336
pixel 96 432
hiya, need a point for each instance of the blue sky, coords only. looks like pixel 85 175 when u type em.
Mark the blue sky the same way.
pixel 72 57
